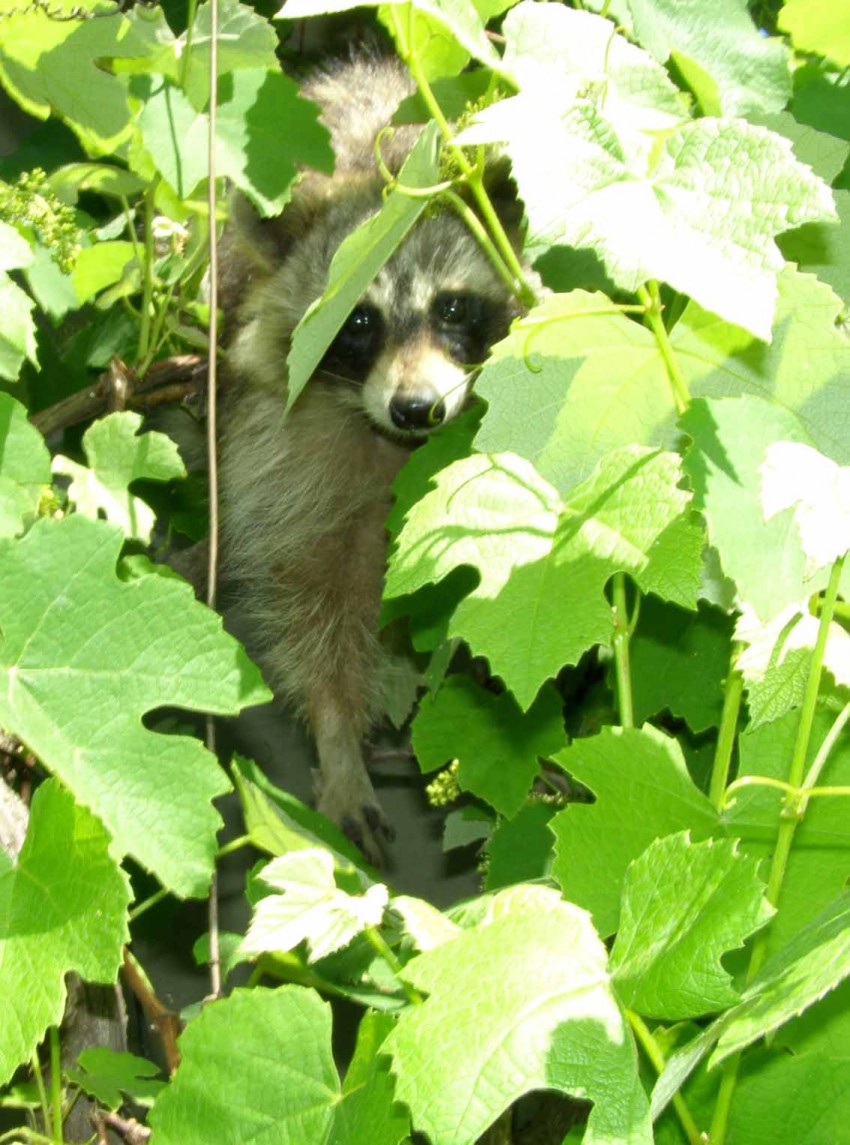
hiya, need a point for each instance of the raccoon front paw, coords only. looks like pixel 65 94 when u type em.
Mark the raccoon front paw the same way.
pixel 355 809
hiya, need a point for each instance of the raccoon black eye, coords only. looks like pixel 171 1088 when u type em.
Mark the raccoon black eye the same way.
pixel 361 320
pixel 452 309
pixel 361 332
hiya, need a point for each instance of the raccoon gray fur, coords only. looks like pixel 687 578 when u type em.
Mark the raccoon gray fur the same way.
pixel 304 499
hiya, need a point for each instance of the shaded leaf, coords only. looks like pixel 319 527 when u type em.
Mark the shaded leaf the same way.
pixel 497 744
pixel 108 1076
pixel 643 792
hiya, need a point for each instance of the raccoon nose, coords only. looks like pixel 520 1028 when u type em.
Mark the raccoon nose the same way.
pixel 417 411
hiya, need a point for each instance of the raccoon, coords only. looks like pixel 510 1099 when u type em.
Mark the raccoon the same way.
pixel 304 499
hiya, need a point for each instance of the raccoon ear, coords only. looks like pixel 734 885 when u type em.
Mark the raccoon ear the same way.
pixel 502 191
pixel 267 242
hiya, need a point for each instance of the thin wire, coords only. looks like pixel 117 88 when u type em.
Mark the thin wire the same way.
pixel 212 447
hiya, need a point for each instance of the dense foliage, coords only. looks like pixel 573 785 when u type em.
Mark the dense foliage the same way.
pixel 641 529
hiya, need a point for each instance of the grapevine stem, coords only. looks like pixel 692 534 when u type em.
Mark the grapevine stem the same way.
pixel 147 903
pixel 732 696
pixel 186 56
pixel 382 947
pixel 798 797
pixel 147 276
pixel 56 1084
pixel 784 837
pixel 656 1058
pixel 42 1091
pixel 471 172
pixel 823 754
pixel 212 447
pixel 480 233
pixel 650 297
pixel 622 633
pixel 233 845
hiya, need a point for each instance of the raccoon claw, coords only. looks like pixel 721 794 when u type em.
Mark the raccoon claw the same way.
pixel 368 831
pixel 377 824
pixel 361 820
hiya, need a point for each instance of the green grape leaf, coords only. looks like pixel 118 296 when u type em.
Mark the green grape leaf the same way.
pixel 816 871
pixel 470 823
pixel 533 552
pixel 823 152
pixel 675 564
pixel 427 926
pixel 568 55
pixel 85 656
pixel 507 517
pixel 814 962
pixel 244 40
pixel 576 379
pixel 292 1101
pixel 462 1056
pixel 24 467
pixel 797 477
pixel 52 289
pixel 15 251
pixel 357 260
pixel 679 661
pixel 801 1099
pixel 699 210
pixel 643 792
pixel 684 905
pixel 805 370
pixel 71 179
pixel 573 380
pixel 108 1075
pixel 449 443
pixel 750 71
pixel 776 656
pixel 823 1028
pixel 102 265
pixel 249 148
pixel 367 1114
pixel 520 849
pixel 278 822
pixel 118 455
pixel 824 250
pixel 801 972
pixel 456 21
pixel 730 438
pixel 51 64
pixel 298 1099
pixel 17 337
pixel 498 745
pixel 308 906
pixel 818 26
pixel 62 907
pixel 436 53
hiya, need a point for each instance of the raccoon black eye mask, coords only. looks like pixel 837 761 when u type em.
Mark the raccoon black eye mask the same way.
pixel 304 499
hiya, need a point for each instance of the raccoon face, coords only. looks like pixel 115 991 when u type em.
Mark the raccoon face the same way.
pixel 408 352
